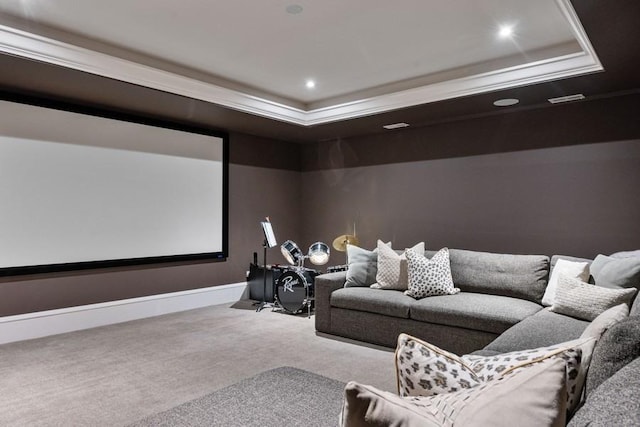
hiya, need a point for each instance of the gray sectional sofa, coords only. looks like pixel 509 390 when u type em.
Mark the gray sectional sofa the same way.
pixel 498 291
pixel 498 310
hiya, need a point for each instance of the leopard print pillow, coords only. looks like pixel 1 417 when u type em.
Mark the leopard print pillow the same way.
pixel 429 277
pixel 425 370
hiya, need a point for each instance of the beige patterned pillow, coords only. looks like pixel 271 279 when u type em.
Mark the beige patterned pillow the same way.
pixel 524 398
pixel 429 277
pixel 424 369
pixel 392 267
pixel 584 301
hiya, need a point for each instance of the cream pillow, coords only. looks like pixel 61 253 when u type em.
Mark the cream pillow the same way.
pixel 392 268
pixel 584 301
pixel 577 270
pixel 605 321
pixel 525 398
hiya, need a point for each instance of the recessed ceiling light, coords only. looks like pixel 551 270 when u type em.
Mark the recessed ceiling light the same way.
pixel 505 31
pixel 396 125
pixel 310 84
pixel 294 9
pixel 505 102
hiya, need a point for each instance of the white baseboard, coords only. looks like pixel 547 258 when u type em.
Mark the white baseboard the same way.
pixel 51 322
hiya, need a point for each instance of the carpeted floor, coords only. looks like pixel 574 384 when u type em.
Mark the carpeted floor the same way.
pixel 279 397
pixel 117 375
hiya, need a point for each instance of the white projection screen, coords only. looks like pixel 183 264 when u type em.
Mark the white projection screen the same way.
pixel 82 188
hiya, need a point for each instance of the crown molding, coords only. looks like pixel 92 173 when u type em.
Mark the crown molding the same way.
pixel 29 45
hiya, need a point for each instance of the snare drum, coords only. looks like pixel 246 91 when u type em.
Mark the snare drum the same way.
pixel 294 289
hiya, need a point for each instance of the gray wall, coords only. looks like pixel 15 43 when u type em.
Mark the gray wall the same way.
pixel 579 200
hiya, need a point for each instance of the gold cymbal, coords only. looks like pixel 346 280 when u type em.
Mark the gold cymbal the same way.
pixel 340 242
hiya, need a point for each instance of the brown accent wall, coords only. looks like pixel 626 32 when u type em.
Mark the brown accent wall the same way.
pixel 579 200
pixel 552 180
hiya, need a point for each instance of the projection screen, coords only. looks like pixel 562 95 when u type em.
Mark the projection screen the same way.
pixel 82 188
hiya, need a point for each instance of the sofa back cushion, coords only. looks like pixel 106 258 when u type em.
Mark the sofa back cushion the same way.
pixel 617 347
pixel 517 276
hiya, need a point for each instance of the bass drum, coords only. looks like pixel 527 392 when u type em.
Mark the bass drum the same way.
pixel 294 290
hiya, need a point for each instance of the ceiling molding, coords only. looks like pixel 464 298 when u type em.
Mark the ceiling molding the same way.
pixel 29 45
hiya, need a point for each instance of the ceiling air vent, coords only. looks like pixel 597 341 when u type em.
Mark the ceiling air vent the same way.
pixel 560 99
pixel 396 126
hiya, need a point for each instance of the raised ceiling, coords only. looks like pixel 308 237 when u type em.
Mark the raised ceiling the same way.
pixel 256 56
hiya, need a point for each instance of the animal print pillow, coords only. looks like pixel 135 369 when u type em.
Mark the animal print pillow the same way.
pixel 526 398
pixel 492 367
pixel 423 369
pixel 429 277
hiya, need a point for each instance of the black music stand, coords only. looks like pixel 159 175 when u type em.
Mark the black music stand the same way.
pixel 269 242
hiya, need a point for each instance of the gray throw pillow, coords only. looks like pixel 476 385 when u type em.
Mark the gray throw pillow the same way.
pixel 626 254
pixel 584 301
pixel 363 266
pixel 617 347
pixel 616 273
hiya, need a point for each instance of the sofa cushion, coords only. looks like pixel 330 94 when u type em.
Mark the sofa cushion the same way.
pixel 385 302
pixel 614 402
pixel 543 329
pixel 617 347
pixel 490 313
pixel 517 276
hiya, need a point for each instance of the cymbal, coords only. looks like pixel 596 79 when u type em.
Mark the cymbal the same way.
pixel 340 242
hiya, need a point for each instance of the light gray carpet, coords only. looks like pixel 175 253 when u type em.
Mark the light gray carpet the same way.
pixel 119 374
pixel 283 396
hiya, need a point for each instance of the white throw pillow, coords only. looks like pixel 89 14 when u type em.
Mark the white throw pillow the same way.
pixel 429 277
pixel 392 267
pixel 576 270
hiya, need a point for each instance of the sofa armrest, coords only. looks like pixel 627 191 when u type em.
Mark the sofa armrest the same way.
pixel 324 285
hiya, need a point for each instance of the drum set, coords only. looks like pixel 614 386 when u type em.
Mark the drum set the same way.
pixel 294 288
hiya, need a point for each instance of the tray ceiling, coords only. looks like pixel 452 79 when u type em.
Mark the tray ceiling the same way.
pixel 257 57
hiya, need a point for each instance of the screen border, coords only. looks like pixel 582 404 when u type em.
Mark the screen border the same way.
pixel 101 112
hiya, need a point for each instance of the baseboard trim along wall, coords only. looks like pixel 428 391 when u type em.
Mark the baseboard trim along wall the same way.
pixel 51 322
